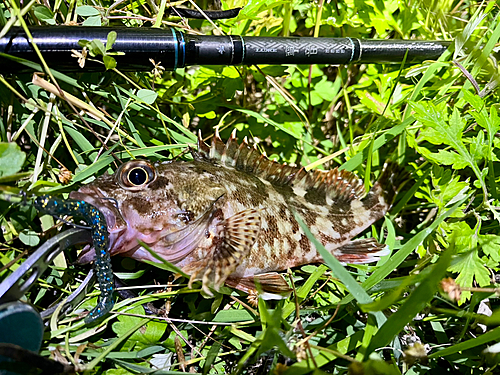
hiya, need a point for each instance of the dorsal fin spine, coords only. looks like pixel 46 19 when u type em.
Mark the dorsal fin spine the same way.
pixel 203 149
pixel 211 155
pixel 232 151
pixel 335 184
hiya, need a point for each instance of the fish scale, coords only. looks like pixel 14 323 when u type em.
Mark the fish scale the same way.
pixel 227 215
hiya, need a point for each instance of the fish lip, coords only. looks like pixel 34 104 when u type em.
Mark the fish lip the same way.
pixel 95 197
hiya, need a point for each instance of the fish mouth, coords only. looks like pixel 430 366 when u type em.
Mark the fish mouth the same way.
pixel 109 208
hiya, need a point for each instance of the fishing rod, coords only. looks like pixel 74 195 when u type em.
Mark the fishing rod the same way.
pixel 175 49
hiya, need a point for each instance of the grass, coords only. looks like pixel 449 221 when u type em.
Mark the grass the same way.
pixel 439 119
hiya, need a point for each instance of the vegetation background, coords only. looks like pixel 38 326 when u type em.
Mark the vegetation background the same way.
pixel 439 119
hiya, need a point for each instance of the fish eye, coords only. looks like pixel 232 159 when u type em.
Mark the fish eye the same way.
pixel 135 174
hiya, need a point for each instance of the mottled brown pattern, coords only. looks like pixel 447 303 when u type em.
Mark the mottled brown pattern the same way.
pixel 309 217
pixel 272 223
pixel 186 212
pixel 304 243
pixel 159 183
pixel 295 226
pixel 316 197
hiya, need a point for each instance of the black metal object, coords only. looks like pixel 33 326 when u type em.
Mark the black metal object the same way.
pixel 21 327
pixel 176 50
pixel 16 285
pixel 212 14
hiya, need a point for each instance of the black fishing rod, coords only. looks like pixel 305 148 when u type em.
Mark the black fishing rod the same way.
pixel 174 49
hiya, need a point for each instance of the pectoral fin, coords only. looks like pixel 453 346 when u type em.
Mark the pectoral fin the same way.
pixel 236 237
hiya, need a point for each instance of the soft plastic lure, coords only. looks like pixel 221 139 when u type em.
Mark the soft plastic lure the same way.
pixel 57 206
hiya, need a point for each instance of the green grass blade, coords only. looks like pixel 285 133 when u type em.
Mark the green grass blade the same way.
pixel 381 140
pixel 493 335
pixel 398 258
pixel 339 271
pixel 415 303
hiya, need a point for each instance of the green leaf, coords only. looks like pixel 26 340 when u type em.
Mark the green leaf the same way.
pixel 474 100
pixel 437 130
pixel 147 96
pixel 447 189
pixel 44 14
pixel 231 86
pixel 374 366
pixel 486 49
pixel 230 72
pixel 138 369
pixel 468 30
pixel 109 62
pixel 462 235
pixel 29 237
pixel 273 70
pixel 343 346
pixel 87 11
pixel 150 333
pixel 14 177
pixel 271 336
pixel 392 296
pixel 325 90
pixel 92 21
pixel 96 47
pixel 130 275
pixel 491 123
pixel 457 161
pixel 79 138
pixel 490 244
pixel 470 267
pixel 478 149
pixel 304 290
pixel 209 115
pixel 211 356
pixel 232 316
pixel 112 35
pixel 11 159
pixel 170 341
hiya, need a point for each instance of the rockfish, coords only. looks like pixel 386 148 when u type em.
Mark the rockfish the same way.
pixel 227 215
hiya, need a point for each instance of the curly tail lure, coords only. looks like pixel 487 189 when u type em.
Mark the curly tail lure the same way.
pixel 57 206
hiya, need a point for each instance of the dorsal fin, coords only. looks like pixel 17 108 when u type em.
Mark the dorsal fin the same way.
pixel 336 184
pixel 203 150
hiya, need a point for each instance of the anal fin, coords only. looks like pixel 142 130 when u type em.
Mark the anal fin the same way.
pixel 365 250
pixel 268 286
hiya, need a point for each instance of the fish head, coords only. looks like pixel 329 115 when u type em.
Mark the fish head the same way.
pixel 162 205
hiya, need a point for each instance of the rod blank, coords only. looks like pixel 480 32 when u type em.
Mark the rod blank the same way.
pixel 176 50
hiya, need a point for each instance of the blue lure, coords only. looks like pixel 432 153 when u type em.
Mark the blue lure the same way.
pixel 57 207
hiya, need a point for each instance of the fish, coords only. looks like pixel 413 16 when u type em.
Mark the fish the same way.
pixel 227 215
